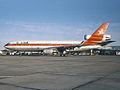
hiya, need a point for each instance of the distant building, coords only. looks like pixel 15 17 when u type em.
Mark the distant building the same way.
pixel 115 47
pixel 110 50
pixel 107 47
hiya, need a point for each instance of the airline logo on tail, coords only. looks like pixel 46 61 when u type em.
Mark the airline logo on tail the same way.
pixel 101 32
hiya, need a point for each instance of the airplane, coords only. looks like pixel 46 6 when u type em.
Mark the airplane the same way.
pixel 94 41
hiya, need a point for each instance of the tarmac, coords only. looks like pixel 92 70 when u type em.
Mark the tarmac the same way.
pixel 59 73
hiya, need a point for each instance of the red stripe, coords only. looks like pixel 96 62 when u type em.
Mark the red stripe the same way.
pixel 41 44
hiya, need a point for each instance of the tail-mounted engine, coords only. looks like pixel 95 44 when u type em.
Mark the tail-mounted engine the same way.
pixel 106 37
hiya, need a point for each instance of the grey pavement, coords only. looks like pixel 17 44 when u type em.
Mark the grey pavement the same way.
pixel 59 73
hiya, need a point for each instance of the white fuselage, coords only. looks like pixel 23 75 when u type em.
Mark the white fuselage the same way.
pixel 39 45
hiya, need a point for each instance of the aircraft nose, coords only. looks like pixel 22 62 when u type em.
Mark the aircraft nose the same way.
pixel 6 45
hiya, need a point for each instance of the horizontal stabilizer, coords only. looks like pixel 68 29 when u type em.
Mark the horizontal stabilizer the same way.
pixel 105 42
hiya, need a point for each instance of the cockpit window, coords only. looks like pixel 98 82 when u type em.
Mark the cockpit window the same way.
pixel 7 44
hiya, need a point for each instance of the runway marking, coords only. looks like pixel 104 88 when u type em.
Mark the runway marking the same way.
pixel 90 82
pixel 4 77
pixel 20 86
pixel 87 83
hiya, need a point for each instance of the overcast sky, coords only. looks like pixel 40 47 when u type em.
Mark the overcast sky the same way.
pixel 57 19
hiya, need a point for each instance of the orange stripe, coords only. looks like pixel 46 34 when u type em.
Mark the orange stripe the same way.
pixel 41 44
pixel 90 42
pixel 96 38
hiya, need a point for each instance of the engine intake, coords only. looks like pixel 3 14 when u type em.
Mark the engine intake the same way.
pixel 49 51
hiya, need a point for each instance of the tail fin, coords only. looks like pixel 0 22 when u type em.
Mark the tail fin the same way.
pixel 99 33
pixel 97 36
